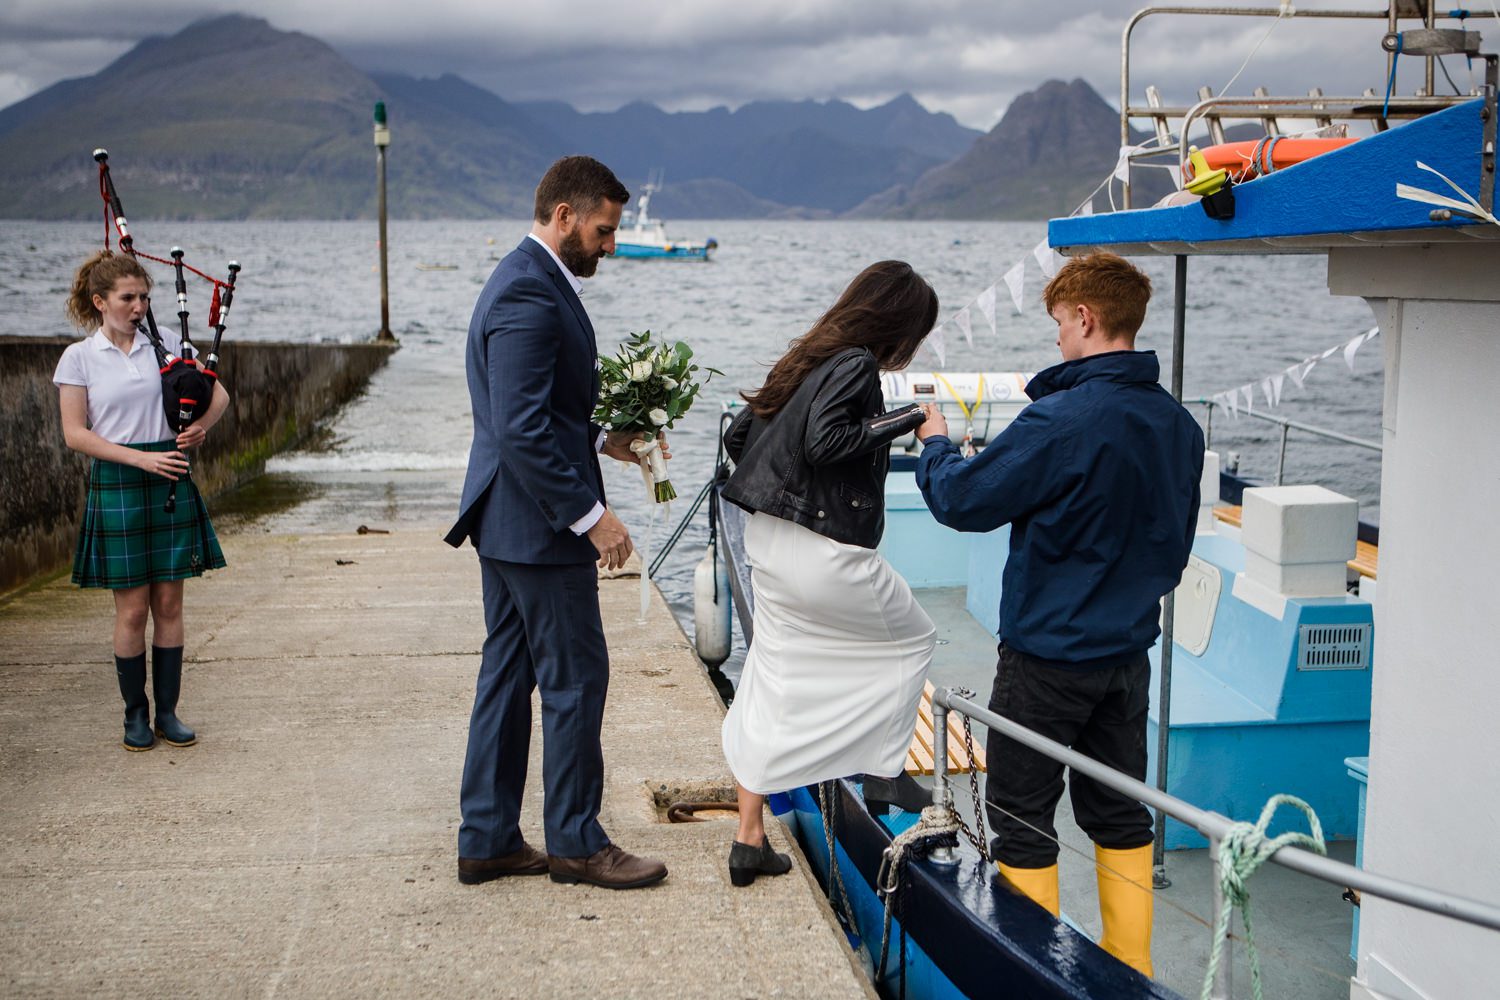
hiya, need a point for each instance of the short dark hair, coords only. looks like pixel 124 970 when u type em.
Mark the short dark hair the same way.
pixel 580 181
pixel 1108 284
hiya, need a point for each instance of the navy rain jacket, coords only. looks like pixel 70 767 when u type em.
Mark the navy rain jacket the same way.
pixel 1098 479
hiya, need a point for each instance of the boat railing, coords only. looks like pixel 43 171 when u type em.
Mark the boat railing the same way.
pixel 1287 425
pixel 1271 110
pixel 1211 825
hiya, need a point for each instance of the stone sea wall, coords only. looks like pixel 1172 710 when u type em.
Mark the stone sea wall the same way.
pixel 277 393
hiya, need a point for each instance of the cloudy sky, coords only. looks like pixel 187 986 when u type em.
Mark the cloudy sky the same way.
pixel 966 57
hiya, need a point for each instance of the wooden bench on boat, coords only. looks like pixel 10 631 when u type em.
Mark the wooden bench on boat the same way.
pixel 919 755
pixel 1366 556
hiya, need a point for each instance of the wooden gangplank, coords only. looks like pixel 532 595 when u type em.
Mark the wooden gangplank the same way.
pixel 1366 556
pixel 919 756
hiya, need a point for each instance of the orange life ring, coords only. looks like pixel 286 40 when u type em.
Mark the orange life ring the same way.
pixel 1255 157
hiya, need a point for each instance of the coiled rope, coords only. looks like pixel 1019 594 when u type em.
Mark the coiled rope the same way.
pixel 936 827
pixel 1241 852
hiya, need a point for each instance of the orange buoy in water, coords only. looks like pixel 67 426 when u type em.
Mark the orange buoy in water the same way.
pixel 1253 158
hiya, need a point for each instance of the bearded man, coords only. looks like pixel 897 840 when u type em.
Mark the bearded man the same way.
pixel 533 505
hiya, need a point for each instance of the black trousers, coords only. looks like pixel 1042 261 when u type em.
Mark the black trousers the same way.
pixel 1099 713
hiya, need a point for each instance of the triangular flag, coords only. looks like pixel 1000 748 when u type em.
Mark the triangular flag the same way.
pixel 1266 391
pixel 1299 371
pixel 1350 349
pixel 1122 164
pixel 1045 258
pixel 937 344
pixel 1328 353
pixel 1231 403
pixel 961 320
pixel 1087 208
pixel 1015 278
pixel 1247 393
pixel 1277 381
pixel 986 304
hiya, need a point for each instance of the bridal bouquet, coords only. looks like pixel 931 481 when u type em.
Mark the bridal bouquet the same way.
pixel 646 387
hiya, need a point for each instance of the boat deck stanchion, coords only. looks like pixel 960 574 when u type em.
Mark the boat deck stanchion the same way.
pixel 942 795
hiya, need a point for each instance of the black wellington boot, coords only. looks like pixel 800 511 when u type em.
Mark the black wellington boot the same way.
pixel 166 685
pixel 131 673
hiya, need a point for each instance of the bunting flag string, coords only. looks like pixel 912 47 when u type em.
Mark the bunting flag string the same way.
pixel 1271 386
pixel 1047 260
pixel 937 344
pixel 1015 279
pixel 986 304
pixel 964 322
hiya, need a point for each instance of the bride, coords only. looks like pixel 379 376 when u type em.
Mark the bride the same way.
pixel 841 649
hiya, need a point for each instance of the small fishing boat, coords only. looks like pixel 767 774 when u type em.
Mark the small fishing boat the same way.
pixel 1268 683
pixel 645 238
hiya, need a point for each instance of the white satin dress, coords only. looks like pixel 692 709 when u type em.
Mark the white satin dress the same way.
pixel 834 674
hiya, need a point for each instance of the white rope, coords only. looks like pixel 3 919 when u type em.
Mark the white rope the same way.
pixel 1286 9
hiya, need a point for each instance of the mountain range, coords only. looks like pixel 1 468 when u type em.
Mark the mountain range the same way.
pixel 231 118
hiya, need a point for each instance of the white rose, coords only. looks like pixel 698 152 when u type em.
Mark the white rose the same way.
pixel 658 417
pixel 669 381
pixel 640 371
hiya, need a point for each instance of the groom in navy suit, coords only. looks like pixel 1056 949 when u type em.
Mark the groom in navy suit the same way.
pixel 533 504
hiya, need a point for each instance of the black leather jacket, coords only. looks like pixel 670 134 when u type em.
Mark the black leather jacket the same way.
pixel 822 460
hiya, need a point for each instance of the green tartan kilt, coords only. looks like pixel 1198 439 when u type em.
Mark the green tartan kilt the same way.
pixel 128 539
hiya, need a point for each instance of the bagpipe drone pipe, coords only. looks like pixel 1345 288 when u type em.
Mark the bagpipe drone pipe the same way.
pixel 187 386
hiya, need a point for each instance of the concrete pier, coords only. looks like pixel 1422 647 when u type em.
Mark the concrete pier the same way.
pixel 306 846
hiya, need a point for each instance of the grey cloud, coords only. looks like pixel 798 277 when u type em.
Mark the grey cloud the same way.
pixel 966 57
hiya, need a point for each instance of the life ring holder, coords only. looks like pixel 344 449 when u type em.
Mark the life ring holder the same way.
pixel 1252 158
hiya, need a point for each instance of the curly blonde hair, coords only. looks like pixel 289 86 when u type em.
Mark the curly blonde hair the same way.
pixel 98 276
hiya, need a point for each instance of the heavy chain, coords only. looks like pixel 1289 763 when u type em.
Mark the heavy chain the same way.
pixel 981 843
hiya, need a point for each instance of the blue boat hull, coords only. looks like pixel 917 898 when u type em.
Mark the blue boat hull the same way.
pixel 968 934
pixel 639 252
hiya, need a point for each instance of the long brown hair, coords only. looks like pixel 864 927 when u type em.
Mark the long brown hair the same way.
pixel 98 276
pixel 887 308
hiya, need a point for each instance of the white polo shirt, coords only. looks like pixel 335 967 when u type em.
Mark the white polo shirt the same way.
pixel 124 390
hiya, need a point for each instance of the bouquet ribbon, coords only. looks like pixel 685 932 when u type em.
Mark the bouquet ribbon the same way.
pixel 653 468
pixel 653 471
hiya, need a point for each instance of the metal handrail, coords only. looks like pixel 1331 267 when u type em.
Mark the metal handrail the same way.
pixel 1212 825
pixel 1347 107
pixel 1389 14
pixel 1286 424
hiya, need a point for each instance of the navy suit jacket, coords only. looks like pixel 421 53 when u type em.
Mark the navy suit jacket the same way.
pixel 533 384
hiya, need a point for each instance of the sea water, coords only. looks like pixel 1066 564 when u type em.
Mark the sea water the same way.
pixel 395 457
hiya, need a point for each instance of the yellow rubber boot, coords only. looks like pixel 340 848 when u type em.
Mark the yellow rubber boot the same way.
pixel 1039 884
pixel 1125 904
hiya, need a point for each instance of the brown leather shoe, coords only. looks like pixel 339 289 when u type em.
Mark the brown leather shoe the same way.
pixel 610 867
pixel 527 861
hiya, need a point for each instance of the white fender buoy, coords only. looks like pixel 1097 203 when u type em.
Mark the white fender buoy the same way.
pixel 711 604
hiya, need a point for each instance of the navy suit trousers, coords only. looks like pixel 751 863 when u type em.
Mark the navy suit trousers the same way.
pixel 543 631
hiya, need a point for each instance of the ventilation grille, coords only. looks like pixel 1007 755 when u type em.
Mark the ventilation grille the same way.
pixel 1334 647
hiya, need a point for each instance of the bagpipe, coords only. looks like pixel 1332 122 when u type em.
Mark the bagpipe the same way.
pixel 187 386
